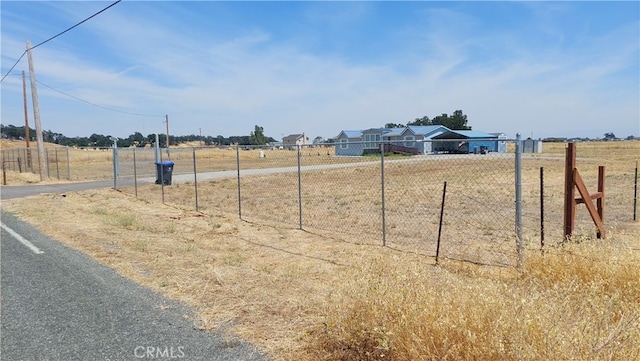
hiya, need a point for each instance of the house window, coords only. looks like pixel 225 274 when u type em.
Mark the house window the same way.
pixel 371 141
pixel 343 143
pixel 409 141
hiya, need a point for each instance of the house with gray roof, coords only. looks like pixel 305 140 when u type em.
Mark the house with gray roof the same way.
pixel 416 140
pixel 349 143
pixel 295 140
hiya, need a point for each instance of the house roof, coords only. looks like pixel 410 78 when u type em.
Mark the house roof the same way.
pixel 350 133
pixel 394 132
pixel 466 134
pixel 376 130
pixel 293 137
pixel 426 129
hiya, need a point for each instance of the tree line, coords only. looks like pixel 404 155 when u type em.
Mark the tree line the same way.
pixel 256 137
pixel 456 121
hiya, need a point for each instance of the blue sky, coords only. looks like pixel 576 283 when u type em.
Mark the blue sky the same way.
pixel 542 69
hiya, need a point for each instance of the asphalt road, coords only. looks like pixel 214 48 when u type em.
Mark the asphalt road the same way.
pixel 58 304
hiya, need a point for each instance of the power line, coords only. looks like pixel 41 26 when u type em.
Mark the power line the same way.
pixel 55 36
pixel 90 103
pixel 97 105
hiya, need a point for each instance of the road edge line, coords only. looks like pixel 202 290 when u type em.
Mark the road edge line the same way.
pixel 21 239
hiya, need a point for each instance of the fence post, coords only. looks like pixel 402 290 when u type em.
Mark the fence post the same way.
pixel 542 208
pixel 115 164
pixel 382 186
pixel 135 173
pixel 518 182
pixel 46 159
pixel 160 169
pixel 239 194
pixel 444 193
pixel 635 193
pixel 68 165
pixel 57 165
pixel 569 191
pixel 299 189
pixel 195 178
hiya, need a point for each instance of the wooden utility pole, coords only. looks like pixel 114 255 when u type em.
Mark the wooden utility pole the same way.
pixel 26 119
pixel 36 116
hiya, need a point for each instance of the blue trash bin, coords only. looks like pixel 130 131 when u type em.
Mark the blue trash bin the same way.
pixel 163 172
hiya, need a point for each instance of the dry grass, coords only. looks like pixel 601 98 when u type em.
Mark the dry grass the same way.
pixel 318 295
pixel 578 303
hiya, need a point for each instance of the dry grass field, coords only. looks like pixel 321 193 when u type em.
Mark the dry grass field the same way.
pixel 327 294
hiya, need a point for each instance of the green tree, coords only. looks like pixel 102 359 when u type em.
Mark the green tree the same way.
pixel 394 125
pixel 457 121
pixel 257 136
pixel 136 139
pixel 421 121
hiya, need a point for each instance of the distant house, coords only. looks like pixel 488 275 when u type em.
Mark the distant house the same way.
pixel 294 140
pixel 469 141
pixel 416 140
pixel 318 140
pixel 349 143
pixel 415 136
pixel 410 139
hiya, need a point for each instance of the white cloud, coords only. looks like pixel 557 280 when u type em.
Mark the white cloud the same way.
pixel 226 85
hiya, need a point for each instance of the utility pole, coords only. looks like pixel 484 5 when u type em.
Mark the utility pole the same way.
pixel 36 116
pixel 26 119
pixel 166 120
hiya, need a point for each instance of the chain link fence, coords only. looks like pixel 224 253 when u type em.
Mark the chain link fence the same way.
pixel 26 160
pixel 379 199
pixel 543 191
pixel 455 206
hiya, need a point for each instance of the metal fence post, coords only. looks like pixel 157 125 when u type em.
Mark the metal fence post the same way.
pixel 115 165
pixel 46 159
pixel 239 194
pixel 444 194
pixel 57 165
pixel 299 190
pixel 68 165
pixel 518 185
pixel 160 169
pixel 195 178
pixel 135 173
pixel 541 208
pixel 635 193
pixel 382 186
